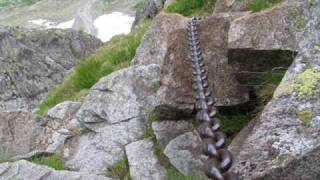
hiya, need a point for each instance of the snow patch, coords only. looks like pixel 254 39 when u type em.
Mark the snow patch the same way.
pixel 46 24
pixel 109 25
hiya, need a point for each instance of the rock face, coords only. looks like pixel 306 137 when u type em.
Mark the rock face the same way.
pixel 32 62
pixel 18 133
pixel 283 143
pixel 165 131
pixel 97 151
pixel 147 9
pixel 184 152
pixel 65 110
pixel 231 5
pixel 25 170
pixel 176 90
pixel 115 111
pixel 265 30
pixel 122 96
pixel 154 46
pixel 143 162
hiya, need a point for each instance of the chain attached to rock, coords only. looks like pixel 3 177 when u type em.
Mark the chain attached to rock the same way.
pixel 219 158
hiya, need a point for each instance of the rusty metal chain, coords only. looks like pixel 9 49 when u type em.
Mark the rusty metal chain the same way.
pixel 219 158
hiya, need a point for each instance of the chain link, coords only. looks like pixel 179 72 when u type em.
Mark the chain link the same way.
pixel 219 158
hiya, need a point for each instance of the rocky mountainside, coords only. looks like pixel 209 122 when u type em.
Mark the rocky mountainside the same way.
pixel 139 122
pixel 32 62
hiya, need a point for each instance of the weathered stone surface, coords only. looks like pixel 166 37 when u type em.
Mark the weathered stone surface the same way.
pixel 184 153
pixel 64 110
pixel 32 62
pixel 143 162
pixel 154 44
pixel 18 133
pixel 231 5
pixel 176 91
pixel 148 9
pixel 266 30
pixel 123 95
pixel 24 170
pixel 165 131
pixel 99 150
pixel 283 143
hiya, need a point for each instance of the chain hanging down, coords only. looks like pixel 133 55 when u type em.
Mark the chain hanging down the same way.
pixel 214 141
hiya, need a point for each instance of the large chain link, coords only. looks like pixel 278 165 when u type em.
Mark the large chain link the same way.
pixel 219 158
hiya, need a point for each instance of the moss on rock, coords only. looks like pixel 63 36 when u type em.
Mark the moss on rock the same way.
pixel 306 117
pixel 307 83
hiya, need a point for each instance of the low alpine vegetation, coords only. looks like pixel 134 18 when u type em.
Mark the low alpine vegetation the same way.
pixel 258 5
pixel 53 161
pixel 115 55
pixel 192 7
pixel 120 170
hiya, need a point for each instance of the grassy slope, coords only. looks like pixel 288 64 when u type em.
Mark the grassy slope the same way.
pixel 192 7
pixel 258 5
pixel 115 55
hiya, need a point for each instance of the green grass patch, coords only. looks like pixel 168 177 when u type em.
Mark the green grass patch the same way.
pixel 11 3
pixel 120 170
pixel 259 5
pixel 4 160
pixel 115 55
pixel 53 161
pixel 192 7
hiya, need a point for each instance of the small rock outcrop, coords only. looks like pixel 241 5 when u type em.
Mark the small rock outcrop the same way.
pixel 65 110
pixel 147 9
pixel 283 142
pixel 18 133
pixel 165 131
pixel 32 62
pixel 184 153
pixel 231 5
pixel 176 91
pixel 115 111
pixel 154 46
pixel 143 162
pixel 25 170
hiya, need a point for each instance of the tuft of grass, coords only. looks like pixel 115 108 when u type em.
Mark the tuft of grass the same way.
pixel 258 5
pixel 192 7
pixel 4 160
pixel 120 170
pixel 115 55
pixel 306 117
pixel 53 161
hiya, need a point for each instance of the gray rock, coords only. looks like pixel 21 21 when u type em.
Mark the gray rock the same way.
pixel 231 5
pixel 121 96
pixel 268 30
pixel 184 153
pixel 33 61
pixel 283 143
pixel 143 162
pixel 64 110
pixel 24 170
pixel 97 151
pixel 18 133
pixel 165 131
pixel 154 46
pixel 147 9
pixel 176 94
